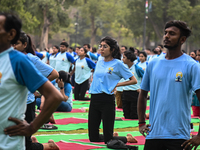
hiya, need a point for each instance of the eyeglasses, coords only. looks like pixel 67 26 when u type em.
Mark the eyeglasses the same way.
pixel 104 46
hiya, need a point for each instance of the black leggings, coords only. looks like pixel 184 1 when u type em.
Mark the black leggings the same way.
pixel 164 144
pixel 29 117
pixel 102 107
pixel 80 90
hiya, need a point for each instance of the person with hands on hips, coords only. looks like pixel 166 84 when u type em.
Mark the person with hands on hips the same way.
pixel 171 78
pixel 17 73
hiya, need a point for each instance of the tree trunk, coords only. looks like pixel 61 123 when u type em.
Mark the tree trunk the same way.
pixel 94 31
pixel 45 31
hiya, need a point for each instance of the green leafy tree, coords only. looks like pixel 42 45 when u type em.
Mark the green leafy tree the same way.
pixel 30 22
pixel 52 14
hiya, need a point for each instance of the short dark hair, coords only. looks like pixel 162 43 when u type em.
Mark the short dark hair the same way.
pixel 160 45
pixel 88 45
pixel 12 22
pixel 124 47
pixel 184 29
pixel 130 55
pixel 142 52
pixel 132 49
pixel 114 48
pixel 148 49
pixel 94 50
pixel 65 44
pixel 64 76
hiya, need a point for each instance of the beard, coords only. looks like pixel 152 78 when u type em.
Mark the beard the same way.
pixel 172 47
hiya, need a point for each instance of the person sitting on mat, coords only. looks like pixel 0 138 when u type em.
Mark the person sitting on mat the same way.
pixel 63 84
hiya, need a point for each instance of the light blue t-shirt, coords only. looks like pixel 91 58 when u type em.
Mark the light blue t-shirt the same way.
pixel 17 74
pixel 83 69
pixel 171 83
pixel 143 65
pixel 52 60
pixel 67 90
pixel 63 61
pixel 92 56
pixel 107 75
pixel 43 68
pixel 133 87
pixel 46 55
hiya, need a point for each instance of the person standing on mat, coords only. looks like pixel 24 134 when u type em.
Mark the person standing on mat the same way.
pixel 106 76
pixel 171 79
pixel 82 68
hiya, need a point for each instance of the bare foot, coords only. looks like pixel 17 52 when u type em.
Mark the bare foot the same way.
pixel 53 145
pixel 34 139
pixel 131 139
pixel 115 134
pixel 51 119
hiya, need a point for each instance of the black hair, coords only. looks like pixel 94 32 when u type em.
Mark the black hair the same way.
pixel 78 47
pixel 64 76
pixel 88 45
pixel 130 55
pixel 113 46
pixel 132 49
pixel 57 47
pixel 148 49
pixel 142 52
pixel 26 38
pixel 94 50
pixel 195 52
pixel 124 47
pixel 154 51
pixel 12 22
pixel 71 48
pixel 184 29
pixel 160 45
pixel 65 44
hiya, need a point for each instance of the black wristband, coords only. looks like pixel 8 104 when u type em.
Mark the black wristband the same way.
pixel 61 88
pixel 141 122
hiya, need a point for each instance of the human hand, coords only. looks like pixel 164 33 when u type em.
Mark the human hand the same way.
pixel 193 142
pixel 145 129
pixel 60 83
pixel 21 128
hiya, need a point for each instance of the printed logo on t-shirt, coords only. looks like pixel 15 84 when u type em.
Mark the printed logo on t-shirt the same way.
pixel 0 77
pixel 63 59
pixel 133 73
pixel 82 67
pixel 110 70
pixel 179 76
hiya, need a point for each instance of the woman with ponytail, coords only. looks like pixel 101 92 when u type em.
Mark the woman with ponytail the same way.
pixel 106 76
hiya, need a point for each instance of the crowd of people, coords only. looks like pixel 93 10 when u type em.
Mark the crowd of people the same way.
pixel 112 74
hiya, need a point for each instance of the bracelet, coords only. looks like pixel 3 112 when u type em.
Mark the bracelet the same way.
pixel 61 88
pixel 141 124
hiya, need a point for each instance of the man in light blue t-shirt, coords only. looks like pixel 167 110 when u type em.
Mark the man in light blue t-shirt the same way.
pixel 17 76
pixel 171 78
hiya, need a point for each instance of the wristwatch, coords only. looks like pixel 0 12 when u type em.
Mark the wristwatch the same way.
pixel 61 88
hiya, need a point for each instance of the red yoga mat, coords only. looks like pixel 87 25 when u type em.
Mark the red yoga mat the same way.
pixel 140 139
pixel 74 146
pixel 71 120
